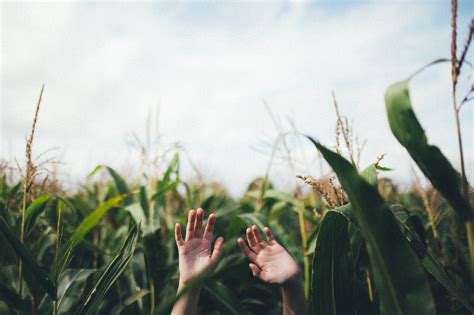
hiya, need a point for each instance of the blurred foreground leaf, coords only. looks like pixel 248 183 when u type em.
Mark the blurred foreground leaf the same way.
pixel 401 284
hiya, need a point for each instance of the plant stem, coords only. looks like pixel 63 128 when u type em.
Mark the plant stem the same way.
pixel 55 307
pixel 454 75
pixel 152 298
pixel 27 182
pixel 369 286
pixel 304 241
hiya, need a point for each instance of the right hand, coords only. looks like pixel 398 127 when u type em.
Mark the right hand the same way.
pixel 270 261
pixel 195 252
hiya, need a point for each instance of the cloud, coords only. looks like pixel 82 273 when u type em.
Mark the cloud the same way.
pixel 209 66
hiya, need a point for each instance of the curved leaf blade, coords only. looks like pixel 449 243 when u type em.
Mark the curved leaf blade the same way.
pixel 114 269
pixel 400 280
pixel 332 281
pixel 30 263
pixel 34 210
pixel 408 131
pixel 84 227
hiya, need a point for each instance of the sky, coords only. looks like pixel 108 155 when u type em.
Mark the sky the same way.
pixel 202 73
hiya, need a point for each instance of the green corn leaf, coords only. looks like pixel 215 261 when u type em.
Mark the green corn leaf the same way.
pixel 12 299
pixel 29 262
pixel 332 282
pixel 111 273
pixel 165 187
pixel 70 286
pixel 5 213
pixel 221 294
pixel 429 158
pixel 401 284
pixel 427 259
pixel 33 212
pixel 120 184
pixel 129 301
pixel 66 251
pixel 370 175
pixel 144 203
pixel 173 166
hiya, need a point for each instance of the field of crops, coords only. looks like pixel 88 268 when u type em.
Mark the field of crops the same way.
pixel 362 247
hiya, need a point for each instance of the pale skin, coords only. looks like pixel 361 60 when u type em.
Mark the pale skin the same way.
pixel 195 255
pixel 270 262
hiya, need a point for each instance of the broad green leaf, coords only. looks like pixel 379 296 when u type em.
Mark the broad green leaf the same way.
pixel 120 183
pixel 429 158
pixel 136 212
pixel 70 287
pixel 5 213
pixel 427 259
pixel 66 251
pixel 111 273
pixel 401 284
pixel 221 294
pixel 33 212
pixel 29 261
pixel 129 301
pixel 173 166
pixel 165 187
pixel 280 196
pixel 12 299
pixel 370 175
pixel 332 282
pixel 144 203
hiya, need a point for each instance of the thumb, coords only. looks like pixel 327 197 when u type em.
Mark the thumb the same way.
pixel 255 270
pixel 217 248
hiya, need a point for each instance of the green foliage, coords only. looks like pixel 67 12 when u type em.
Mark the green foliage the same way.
pixel 394 264
pixel 429 158
pixel 333 276
pixel 110 275
pixel 109 248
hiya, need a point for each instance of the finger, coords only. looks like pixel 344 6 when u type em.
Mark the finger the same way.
pixel 252 241
pixel 257 237
pixel 210 227
pixel 246 250
pixel 190 226
pixel 217 248
pixel 177 235
pixel 268 233
pixel 255 270
pixel 198 224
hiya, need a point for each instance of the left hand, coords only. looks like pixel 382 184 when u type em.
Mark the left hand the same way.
pixel 270 261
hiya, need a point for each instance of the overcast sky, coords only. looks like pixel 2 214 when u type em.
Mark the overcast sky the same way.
pixel 209 66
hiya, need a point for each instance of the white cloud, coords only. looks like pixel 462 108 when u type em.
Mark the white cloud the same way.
pixel 209 66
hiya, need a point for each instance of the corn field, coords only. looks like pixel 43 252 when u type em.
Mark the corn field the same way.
pixel 362 247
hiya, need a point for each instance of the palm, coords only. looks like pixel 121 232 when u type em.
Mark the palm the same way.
pixel 276 264
pixel 270 261
pixel 195 256
pixel 195 250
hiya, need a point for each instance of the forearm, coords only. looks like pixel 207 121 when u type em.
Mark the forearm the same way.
pixel 187 303
pixel 294 301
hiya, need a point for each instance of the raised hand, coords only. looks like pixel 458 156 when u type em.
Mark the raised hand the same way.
pixel 195 252
pixel 270 261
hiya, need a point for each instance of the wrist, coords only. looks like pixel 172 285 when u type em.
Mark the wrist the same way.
pixel 195 289
pixel 293 281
